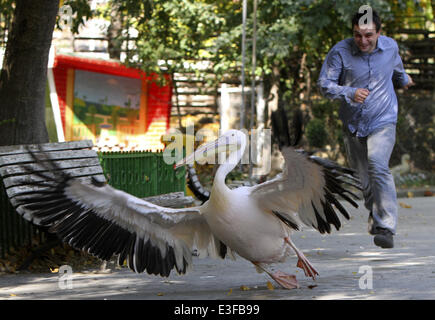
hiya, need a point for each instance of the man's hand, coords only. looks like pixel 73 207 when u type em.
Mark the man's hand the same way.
pixel 409 84
pixel 360 95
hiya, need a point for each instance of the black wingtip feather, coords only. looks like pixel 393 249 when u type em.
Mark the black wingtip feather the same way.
pixel 329 197
pixel 222 249
pixel 331 216
pixel 280 128
pixel 286 220
pixel 281 131
pixel 322 225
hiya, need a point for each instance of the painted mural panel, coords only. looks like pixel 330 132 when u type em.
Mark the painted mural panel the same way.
pixel 107 108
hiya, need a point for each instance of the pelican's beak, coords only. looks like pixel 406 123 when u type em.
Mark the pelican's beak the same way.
pixel 202 152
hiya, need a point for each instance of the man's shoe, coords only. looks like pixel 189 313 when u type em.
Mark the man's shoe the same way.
pixel 384 238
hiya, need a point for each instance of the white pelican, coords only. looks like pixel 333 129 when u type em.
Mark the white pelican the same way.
pixel 254 222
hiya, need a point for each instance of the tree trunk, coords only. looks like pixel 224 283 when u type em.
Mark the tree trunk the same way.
pixel 114 32
pixel 23 77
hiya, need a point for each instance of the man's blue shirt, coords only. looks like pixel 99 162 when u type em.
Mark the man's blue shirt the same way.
pixel 346 69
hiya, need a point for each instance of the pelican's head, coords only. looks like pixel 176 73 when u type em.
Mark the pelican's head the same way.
pixel 232 140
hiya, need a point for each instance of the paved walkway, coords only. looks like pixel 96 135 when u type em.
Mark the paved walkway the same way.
pixel 405 272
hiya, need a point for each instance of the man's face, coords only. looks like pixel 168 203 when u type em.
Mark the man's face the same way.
pixel 366 37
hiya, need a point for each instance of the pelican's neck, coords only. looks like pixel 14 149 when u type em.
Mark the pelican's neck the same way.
pixel 229 164
pixel 222 172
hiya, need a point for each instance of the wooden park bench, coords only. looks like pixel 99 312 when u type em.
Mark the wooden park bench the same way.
pixel 77 158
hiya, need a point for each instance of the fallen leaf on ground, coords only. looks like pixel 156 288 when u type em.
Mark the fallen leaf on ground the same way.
pixel 404 205
pixel 244 288
pixel 230 292
pixel 270 285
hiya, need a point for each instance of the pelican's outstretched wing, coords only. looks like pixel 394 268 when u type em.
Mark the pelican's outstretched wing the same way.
pixel 307 186
pixel 94 217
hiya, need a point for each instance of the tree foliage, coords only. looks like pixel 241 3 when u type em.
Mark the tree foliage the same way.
pixel 293 37
pixel 172 35
pixel 203 38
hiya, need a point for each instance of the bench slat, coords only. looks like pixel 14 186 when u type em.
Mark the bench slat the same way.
pixel 16 191
pixel 54 146
pixel 13 170
pixel 29 178
pixel 56 155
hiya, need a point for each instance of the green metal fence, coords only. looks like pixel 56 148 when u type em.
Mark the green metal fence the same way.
pixel 141 174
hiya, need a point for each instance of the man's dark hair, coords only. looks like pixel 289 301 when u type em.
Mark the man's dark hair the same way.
pixel 376 19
